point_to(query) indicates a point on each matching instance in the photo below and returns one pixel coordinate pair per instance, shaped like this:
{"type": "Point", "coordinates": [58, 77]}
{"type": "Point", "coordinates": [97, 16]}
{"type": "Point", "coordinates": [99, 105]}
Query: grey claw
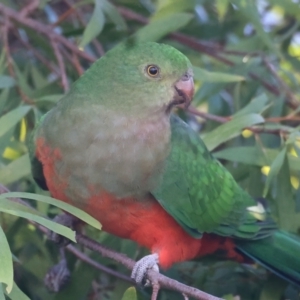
{"type": "Point", "coordinates": [58, 276]}
{"type": "Point", "coordinates": [143, 265]}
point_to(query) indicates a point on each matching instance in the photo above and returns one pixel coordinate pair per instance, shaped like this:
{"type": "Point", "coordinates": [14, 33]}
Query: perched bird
{"type": "Point", "coordinates": [112, 147]}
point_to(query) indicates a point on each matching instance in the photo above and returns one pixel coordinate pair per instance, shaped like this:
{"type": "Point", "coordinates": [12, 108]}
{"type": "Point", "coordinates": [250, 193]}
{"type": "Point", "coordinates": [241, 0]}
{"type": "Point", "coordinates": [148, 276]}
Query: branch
{"type": "Point", "coordinates": [153, 276]}
{"type": "Point", "coordinates": [158, 280]}
{"type": "Point", "coordinates": [5, 29]}
{"type": "Point", "coordinates": [33, 5]}
{"type": "Point", "coordinates": [43, 29]}
{"type": "Point", "coordinates": [61, 64]}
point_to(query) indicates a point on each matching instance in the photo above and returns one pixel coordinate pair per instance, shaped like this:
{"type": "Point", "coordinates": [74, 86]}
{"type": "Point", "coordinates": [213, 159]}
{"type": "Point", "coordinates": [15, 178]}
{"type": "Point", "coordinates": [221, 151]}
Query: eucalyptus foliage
{"type": "Point", "coordinates": [246, 108]}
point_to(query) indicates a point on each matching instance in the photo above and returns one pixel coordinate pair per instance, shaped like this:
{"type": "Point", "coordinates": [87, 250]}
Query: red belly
{"type": "Point", "coordinates": [143, 221]}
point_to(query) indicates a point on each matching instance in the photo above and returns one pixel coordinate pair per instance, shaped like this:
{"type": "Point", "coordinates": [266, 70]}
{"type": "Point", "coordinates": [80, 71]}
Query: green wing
{"type": "Point", "coordinates": [201, 194]}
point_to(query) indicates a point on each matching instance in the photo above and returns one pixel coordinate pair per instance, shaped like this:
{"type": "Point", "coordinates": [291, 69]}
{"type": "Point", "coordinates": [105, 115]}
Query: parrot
{"type": "Point", "coordinates": [113, 147]}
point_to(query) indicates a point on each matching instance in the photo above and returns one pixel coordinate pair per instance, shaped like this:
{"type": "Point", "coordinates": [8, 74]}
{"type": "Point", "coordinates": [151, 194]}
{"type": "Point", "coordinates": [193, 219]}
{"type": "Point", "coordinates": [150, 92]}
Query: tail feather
{"type": "Point", "coordinates": [279, 253]}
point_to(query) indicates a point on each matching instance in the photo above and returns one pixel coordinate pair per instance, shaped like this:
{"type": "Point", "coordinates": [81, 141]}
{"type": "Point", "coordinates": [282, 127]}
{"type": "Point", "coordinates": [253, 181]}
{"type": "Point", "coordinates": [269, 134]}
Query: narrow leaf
{"type": "Point", "coordinates": [255, 156]}
{"type": "Point", "coordinates": [286, 206]}
{"type": "Point", "coordinates": [6, 269]}
{"type": "Point", "coordinates": [95, 25]}
{"type": "Point", "coordinates": [17, 294]}
{"type": "Point", "coordinates": [256, 105]}
{"type": "Point", "coordinates": [163, 26]}
{"type": "Point", "coordinates": [206, 76]}
{"type": "Point", "coordinates": [2, 297]}
{"type": "Point", "coordinates": [15, 170]}
{"type": "Point", "coordinates": [26, 212]}
{"type": "Point", "coordinates": [6, 82]}
{"type": "Point", "coordinates": [230, 130]}
{"type": "Point", "coordinates": [250, 11]}
{"type": "Point", "coordinates": [112, 12]}
{"type": "Point", "coordinates": [12, 118]}
{"type": "Point", "coordinates": [62, 205]}
{"type": "Point", "coordinates": [274, 169]}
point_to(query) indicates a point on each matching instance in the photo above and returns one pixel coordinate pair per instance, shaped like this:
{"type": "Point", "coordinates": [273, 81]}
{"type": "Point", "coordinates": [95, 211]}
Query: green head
{"type": "Point", "coordinates": [137, 77]}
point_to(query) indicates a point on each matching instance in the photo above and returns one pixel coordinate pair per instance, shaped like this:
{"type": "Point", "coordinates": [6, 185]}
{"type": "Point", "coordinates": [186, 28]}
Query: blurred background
{"type": "Point", "coordinates": [246, 107]}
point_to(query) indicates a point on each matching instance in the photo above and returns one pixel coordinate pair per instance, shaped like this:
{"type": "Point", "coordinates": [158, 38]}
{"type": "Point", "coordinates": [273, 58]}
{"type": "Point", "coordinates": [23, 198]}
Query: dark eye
{"type": "Point", "coordinates": [152, 70]}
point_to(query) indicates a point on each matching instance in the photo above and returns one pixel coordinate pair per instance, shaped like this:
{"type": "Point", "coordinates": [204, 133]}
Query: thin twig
{"type": "Point", "coordinates": [73, 59]}
{"type": "Point", "coordinates": [37, 54]}
{"type": "Point", "coordinates": [207, 116]}
{"type": "Point", "coordinates": [5, 29]}
{"type": "Point", "coordinates": [61, 64]}
{"type": "Point", "coordinates": [282, 84]}
{"type": "Point", "coordinates": [45, 30]}
{"type": "Point", "coordinates": [29, 8]}
{"type": "Point", "coordinates": [153, 276]}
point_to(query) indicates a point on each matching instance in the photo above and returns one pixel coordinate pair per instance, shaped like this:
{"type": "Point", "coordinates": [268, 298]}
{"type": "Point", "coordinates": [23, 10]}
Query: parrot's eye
{"type": "Point", "coordinates": [152, 70]}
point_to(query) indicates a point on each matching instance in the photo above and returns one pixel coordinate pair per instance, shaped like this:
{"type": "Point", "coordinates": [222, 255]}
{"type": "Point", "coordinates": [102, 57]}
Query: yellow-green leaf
{"type": "Point", "coordinates": [130, 294]}
{"type": "Point", "coordinates": [6, 269]}
{"type": "Point", "coordinates": [62, 205]}
{"type": "Point", "coordinates": [19, 210]}
{"type": "Point", "coordinates": [230, 130]}
{"type": "Point", "coordinates": [206, 76]}
{"type": "Point", "coordinates": [12, 118]}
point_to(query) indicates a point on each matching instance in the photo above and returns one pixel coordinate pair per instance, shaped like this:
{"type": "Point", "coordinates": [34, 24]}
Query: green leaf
{"type": "Point", "coordinates": [289, 7]}
{"type": "Point", "coordinates": [29, 213]}
{"type": "Point", "coordinates": [112, 12]}
{"type": "Point", "coordinates": [95, 25]}
{"type": "Point", "coordinates": [62, 205]}
{"type": "Point", "coordinates": [12, 118]}
{"type": "Point", "coordinates": [6, 269]}
{"type": "Point", "coordinates": [274, 169]}
{"type": "Point", "coordinates": [256, 105]}
{"type": "Point", "coordinates": [130, 294]}
{"type": "Point", "coordinates": [249, 10]}
{"type": "Point", "coordinates": [17, 294]}
{"type": "Point", "coordinates": [230, 130]}
{"type": "Point", "coordinates": [2, 297]}
{"type": "Point", "coordinates": [255, 156]}
{"type": "Point", "coordinates": [206, 76]}
{"type": "Point", "coordinates": [15, 170]}
{"type": "Point", "coordinates": [163, 26]}
{"type": "Point", "coordinates": [6, 82]}
{"type": "Point", "coordinates": [49, 98]}
{"type": "Point", "coordinates": [170, 7]}
{"type": "Point", "coordinates": [288, 219]}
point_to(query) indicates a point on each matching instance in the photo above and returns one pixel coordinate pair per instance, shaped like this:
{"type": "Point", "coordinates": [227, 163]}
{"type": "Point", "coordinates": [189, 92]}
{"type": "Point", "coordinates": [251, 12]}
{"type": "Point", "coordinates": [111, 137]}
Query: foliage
{"type": "Point", "coordinates": [246, 108]}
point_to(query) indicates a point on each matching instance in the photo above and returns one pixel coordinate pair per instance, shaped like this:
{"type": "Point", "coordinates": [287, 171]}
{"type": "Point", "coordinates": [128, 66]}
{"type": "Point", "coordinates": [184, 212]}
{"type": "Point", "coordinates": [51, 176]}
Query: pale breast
{"type": "Point", "coordinates": [123, 156]}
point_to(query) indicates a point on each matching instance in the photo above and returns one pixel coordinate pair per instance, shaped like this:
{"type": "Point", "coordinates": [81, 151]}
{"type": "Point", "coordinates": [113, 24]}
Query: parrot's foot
{"type": "Point", "coordinates": [143, 265]}
{"type": "Point", "coordinates": [66, 220]}
{"type": "Point", "coordinates": [58, 276]}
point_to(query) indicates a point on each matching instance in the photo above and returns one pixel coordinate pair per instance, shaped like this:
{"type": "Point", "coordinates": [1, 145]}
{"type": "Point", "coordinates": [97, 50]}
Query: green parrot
{"type": "Point", "coordinates": [112, 147]}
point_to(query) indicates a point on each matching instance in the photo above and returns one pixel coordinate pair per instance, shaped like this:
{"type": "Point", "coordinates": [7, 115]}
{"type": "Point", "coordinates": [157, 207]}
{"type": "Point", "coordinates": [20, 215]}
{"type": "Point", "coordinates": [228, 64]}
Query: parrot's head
{"type": "Point", "coordinates": [140, 77]}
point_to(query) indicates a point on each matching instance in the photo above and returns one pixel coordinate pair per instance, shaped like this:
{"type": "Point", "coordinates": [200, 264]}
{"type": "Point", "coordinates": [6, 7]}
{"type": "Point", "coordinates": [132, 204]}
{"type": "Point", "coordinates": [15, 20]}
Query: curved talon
{"type": "Point", "coordinates": [143, 265]}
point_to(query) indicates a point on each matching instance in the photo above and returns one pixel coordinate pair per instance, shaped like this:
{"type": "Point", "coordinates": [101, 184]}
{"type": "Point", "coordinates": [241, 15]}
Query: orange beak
{"type": "Point", "coordinates": [185, 91]}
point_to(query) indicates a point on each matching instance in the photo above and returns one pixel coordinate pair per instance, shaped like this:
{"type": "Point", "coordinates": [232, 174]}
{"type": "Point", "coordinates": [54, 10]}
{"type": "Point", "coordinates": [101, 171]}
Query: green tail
{"type": "Point", "coordinates": [280, 254]}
